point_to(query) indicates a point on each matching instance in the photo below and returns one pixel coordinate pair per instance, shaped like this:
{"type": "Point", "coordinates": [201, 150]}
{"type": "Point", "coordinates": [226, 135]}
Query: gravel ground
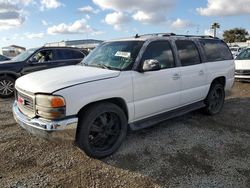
{"type": "Point", "coordinates": [189, 151]}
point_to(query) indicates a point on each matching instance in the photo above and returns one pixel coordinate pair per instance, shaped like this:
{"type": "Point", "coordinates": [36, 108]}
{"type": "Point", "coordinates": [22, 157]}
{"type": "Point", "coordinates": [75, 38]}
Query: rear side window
{"type": "Point", "coordinates": [63, 54]}
{"type": "Point", "coordinates": [216, 50]}
{"type": "Point", "coordinates": [160, 51]}
{"type": "Point", "coordinates": [188, 52]}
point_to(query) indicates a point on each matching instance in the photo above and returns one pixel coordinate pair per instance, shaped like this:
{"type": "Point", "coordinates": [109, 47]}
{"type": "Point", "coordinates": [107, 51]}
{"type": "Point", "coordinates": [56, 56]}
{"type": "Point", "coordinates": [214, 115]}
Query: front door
{"type": "Point", "coordinates": [156, 92]}
{"type": "Point", "coordinates": [43, 59]}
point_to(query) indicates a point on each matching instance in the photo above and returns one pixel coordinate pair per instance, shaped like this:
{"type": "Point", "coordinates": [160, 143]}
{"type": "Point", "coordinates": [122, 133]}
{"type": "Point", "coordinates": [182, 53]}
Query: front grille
{"type": "Point", "coordinates": [26, 104]}
{"type": "Point", "coordinates": [242, 72]}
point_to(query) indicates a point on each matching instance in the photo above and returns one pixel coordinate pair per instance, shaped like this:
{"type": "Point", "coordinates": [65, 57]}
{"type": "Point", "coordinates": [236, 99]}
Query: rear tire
{"type": "Point", "coordinates": [215, 99]}
{"type": "Point", "coordinates": [7, 88]}
{"type": "Point", "coordinates": [101, 129]}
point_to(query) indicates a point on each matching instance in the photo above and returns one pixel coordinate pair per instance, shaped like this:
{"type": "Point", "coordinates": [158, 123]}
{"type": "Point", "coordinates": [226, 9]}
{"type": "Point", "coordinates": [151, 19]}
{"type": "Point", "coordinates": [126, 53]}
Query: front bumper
{"type": "Point", "coordinates": [52, 130]}
{"type": "Point", "coordinates": [243, 77]}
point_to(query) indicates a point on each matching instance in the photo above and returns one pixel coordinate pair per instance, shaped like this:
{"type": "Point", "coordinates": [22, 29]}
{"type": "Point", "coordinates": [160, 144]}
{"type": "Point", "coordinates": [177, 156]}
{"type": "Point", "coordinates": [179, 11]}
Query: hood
{"type": "Point", "coordinates": [242, 64]}
{"type": "Point", "coordinates": [50, 80]}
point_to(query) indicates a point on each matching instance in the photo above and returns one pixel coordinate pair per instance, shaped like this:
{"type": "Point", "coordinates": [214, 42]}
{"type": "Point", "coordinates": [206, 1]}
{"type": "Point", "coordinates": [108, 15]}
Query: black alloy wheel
{"type": "Point", "coordinates": [101, 129]}
{"type": "Point", "coordinates": [215, 99]}
{"type": "Point", "coordinates": [104, 131]}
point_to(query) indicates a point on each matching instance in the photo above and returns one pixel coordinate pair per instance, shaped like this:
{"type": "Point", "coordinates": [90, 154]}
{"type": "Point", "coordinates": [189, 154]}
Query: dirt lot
{"type": "Point", "coordinates": [190, 151]}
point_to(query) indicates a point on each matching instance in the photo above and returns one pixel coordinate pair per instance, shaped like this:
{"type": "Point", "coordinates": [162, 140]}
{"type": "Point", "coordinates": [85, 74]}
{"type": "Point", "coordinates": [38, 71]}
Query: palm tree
{"type": "Point", "coordinates": [215, 26]}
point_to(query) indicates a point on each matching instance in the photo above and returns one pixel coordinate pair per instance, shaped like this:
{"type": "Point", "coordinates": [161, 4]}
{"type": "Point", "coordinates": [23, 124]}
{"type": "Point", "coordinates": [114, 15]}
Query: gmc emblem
{"type": "Point", "coordinates": [20, 100]}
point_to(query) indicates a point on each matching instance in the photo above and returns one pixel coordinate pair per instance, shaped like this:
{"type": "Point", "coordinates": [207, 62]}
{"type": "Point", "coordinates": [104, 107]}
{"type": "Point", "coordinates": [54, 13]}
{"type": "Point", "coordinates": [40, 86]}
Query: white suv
{"type": "Point", "coordinates": [128, 83]}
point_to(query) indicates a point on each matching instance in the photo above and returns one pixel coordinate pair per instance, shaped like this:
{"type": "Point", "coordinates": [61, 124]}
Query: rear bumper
{"type": "Point", "coordinates": [52, 130]}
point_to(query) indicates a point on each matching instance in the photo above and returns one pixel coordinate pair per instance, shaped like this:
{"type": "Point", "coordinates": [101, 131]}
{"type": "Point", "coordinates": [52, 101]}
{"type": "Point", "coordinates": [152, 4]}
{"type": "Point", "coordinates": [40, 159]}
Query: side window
{"type": "Point", "coordinates": [245, 55]}
{"type": "Point", "coordinates": [188, 52]}
{"type": "Point", "coordinates": [43, 56]}
{"type": "Point", "coordinates": [76, 54]}
{"type": "Point", "coordinates": [160, 51]}
{"type": "Point", "coordinates": [216, 50]}
{"type": "Point", "coordinates": [2, 58]}
{"type": "Point", "coordinates": [63, 54]}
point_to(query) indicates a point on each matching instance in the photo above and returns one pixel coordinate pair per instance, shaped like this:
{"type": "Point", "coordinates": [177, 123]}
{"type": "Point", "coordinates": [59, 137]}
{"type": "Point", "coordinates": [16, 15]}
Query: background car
{"type": "Point", "coordinates": [4, 58]}
{"type": "Point", "coordinates": [236, 51]}
{"type": "Point", "coordinates": [36, 59]}
{"type": "Point", "coordinates": [242, 65]}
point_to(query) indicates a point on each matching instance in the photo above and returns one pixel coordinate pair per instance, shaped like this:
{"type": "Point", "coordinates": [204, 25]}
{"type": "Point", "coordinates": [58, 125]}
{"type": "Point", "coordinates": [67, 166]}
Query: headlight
{"type": "Point", "coordinates": [50, 107]}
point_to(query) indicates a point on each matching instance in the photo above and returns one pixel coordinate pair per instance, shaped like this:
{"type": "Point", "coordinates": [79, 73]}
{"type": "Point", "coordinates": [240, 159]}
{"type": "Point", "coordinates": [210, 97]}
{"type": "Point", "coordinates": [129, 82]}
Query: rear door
{"type": "Point", "coordinates": [193, 73]}
{"type": "Point", "coordinates": [64, 57]}
{"type": "Point", "coordinates": [157, 91]}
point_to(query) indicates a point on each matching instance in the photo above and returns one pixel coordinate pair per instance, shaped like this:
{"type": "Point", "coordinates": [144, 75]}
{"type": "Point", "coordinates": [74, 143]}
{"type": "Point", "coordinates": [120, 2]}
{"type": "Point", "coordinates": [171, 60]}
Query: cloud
{"type": "Point", "coordinates": [50, 4]}
{"type": "Point", "coordinates": [45, 23]}
{"type": "Point", "coordinates": [144, 11]}
{"type": "Point", "coordinates": [116, 19]}
{"type": "Point", "coordinates": [209, 32]}
{"type": "Point", "coordinates": [34, 35]}
{"type": "Point", "coordinates": [225, 8]}
{"type": "Point", "coordinates": [78, 27]}
{"type": "Point", "coordinates": [26, 2]}
{"type": "Point", "coordinates": [88, 10]}
{"type": "Point", "coordinates": [181, 24]}
{"type": "Point", "coordinates": [11, 15]}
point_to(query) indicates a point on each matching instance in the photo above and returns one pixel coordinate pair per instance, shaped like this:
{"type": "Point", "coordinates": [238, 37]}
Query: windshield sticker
{"type": "Point", "coordinates": [123, 54]}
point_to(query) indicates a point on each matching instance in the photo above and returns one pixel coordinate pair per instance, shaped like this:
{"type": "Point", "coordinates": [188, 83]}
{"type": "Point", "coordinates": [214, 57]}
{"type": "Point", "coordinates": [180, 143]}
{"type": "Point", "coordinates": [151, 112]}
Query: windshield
{"type": "Point", "coordinates": [24, 55]}
{"type": "Point", "coordinates": [114, 55]}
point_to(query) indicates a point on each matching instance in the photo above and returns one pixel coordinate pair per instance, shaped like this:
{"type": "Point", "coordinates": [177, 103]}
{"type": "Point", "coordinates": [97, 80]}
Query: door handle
{"type": "Point", "coordinates": [176, 76]}
{"type": "Point", "coordinates": [201, 73]}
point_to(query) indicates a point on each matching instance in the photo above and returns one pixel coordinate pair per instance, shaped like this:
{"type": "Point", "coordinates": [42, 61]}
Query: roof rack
{"type": "Point", "coordinates": [174, 35]}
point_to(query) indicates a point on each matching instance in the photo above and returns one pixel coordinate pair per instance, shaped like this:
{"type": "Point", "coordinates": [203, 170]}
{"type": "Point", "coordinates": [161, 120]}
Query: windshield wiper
{"type": "Point", "coordinates": [108, 67]}
{"type": "Point", "coordinates": [101, 66]}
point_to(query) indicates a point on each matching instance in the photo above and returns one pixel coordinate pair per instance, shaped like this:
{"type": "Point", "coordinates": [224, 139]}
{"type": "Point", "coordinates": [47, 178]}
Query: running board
{"type": "Point", "coordinates": [148, 122]}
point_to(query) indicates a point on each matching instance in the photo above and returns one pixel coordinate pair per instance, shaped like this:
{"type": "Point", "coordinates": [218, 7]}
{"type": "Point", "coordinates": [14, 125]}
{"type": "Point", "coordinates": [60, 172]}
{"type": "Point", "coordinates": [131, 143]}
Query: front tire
{"type": "Point", "coordinates": [6, 86]}
{"type": "Point", "coordinates": [215, 99]}
{"type": "Point", "coordinates": [101, 129]}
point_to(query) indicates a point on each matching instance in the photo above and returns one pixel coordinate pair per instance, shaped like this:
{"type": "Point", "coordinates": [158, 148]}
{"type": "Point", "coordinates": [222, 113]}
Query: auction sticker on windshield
{"type": "Point", "coordinates": [123, 54]}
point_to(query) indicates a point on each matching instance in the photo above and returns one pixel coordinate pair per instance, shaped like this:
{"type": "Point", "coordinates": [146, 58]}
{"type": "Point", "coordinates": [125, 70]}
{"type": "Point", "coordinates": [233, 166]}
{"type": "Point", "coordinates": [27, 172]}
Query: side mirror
{"type": "Point", "coordinates": [32, 60]}
{"type": "Point", "coordinates": [151, 65]}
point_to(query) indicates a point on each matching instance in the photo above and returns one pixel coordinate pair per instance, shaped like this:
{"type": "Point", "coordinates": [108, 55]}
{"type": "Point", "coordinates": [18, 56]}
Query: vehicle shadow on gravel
{"type": "Point", "coordinates": [194, 149]}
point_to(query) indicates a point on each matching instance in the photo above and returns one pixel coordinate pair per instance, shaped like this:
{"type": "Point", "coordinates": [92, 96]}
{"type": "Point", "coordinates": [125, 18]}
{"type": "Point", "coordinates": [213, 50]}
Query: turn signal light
{"type": "Point", "coordinates": [57, 102]}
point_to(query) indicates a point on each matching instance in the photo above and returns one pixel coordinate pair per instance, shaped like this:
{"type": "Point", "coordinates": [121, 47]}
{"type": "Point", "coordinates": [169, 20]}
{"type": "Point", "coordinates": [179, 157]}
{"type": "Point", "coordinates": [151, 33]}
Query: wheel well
{"type": "Point", "coordinates": [117, 101]}
{"type": "Point", "coordinates": [221, 80]}
{"type": "Point", "coordinates": [10, 75]}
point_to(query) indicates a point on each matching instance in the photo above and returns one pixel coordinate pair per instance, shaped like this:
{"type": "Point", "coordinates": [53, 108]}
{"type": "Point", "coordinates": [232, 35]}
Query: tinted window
{"type": "Point", "coordinates": [160, 51]}
{"type": "Point", "coordinates": [216, 50]}
{"type": "Point", "coordinates": [245, 55]}
{"type": "Point", "coordinates": [188, 52]}
{"type": "Point", "coordinates": [2, 58]}
{"type": "Point", "coordinates": [43, 56]}
{"type": "Point", "coordinates": [63, 54]}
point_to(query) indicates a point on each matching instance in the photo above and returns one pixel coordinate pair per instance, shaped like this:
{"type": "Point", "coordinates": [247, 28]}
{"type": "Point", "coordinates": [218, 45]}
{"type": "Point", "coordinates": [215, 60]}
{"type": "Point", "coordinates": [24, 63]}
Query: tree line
{"type": "Point", "coordinates": [236, 35]}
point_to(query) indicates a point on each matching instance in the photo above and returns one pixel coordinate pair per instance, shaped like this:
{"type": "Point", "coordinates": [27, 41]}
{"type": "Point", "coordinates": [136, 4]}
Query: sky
{"type": "Point", "coordinates": [32, 23]}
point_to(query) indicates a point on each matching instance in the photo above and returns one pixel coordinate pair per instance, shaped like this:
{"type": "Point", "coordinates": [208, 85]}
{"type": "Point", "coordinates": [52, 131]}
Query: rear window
{"type": "Point", "coordinates": [64, 54]}
{"type": "Point", "coordinates": [216, 50]}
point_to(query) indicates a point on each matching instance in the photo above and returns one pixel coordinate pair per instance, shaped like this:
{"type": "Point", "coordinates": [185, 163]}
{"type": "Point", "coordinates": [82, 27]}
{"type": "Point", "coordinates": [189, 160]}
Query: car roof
{"type": "Point", "coordinates": [152, 36]}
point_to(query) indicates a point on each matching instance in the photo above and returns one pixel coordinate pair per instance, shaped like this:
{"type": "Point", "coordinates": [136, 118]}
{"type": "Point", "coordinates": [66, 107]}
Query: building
{"type": "Point", "coordinates": [240, 44]}
{"type": "Point", "coordinates": [13, 50]}
{"type": "Point", "coordinates": [86, 44]}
